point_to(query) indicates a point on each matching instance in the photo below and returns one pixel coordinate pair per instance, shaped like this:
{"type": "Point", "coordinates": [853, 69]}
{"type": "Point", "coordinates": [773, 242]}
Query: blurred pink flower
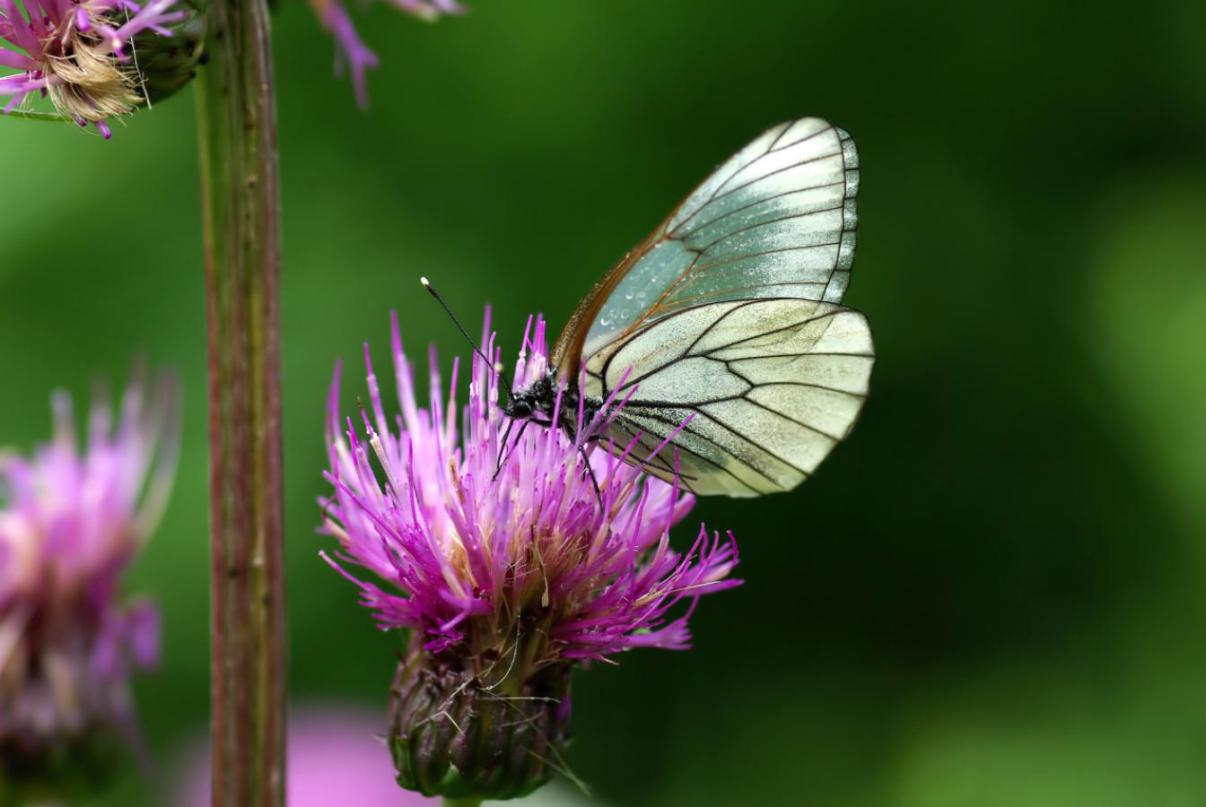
{"type": "Point", "coordinates": [352, 54]}
{"type": "Point", "coordinates": [71, 521]}
{"type": "Point", "coordinates": [335, 757]}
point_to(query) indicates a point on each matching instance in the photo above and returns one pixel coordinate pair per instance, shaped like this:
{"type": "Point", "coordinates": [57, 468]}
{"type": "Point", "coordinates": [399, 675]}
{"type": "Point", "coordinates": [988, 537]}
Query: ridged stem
{"type": "Point", "coordinates": [28, 114]}
{"type": "Point", "coordinates": [236, 121]}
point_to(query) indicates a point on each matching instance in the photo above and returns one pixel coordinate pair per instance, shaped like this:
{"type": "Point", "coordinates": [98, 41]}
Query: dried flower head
{"type": "Point", "coordinates": [351, 52]}
{"type": "Point", "coordinates": [85, 56]}
{"type": "Point", "coordinates": [507, 574]}
{"type": "Point", "coordinates": [71, 520]}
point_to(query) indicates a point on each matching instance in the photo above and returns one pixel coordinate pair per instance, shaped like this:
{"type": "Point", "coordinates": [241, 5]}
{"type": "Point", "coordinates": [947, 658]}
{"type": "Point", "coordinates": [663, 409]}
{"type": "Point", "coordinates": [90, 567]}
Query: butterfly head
{"type": "Point", "coordinates": [549, 403]}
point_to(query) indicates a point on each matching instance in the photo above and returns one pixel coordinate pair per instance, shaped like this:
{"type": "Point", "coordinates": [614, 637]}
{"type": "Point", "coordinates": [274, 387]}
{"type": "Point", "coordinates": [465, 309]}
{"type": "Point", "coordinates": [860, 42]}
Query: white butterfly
{"type": "Point", "coordinates": [723, 331]}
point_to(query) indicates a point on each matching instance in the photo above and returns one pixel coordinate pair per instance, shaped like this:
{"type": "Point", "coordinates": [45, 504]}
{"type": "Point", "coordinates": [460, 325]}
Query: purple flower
{"type": "Point", "coordinates": [80, 54]}
{"type": "Point", "coordinates": [506, 572]}
{"type": "Point", "coordinates": [351, 52]}
{"type": "Point", "coordinates": [71, 520]}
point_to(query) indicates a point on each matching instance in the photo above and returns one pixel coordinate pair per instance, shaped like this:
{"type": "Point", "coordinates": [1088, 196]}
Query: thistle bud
{"type": "Point", "coordinates": [457, 733]}
{"type": "Point", "coordinates": [168, 61]}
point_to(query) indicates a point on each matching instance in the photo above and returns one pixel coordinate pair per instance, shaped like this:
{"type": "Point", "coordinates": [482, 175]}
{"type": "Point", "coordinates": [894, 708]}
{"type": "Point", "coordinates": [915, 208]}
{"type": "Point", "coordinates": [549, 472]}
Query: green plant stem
{"type": "Point", "coordinates": [236, 122]}
{"type": "Point", "coordinates": [26, 114]}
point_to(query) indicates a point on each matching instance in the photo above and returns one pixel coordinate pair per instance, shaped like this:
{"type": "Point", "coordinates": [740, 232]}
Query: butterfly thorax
{"type": "Point", "coordinates": [538, 402]}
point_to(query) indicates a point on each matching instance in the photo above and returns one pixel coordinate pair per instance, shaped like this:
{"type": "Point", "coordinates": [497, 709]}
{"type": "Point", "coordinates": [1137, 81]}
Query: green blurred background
{"type": "Point", "coordinates": [992, 594]}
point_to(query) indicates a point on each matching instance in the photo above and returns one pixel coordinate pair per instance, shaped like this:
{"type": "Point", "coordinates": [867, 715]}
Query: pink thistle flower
{"type": "Point", "coordinates": [80, 54]}
{"type": "Point", "coordinates": [351, 52]}
{"type": "Point", "coordinates": [505, 576]}
{"type": "Point", "coordinates": [71, 521]}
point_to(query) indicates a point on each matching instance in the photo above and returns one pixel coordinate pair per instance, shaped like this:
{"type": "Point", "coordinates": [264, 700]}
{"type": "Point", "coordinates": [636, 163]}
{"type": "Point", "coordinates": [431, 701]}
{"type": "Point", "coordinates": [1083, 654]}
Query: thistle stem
{"type": "Point", "coordinates": [28, 114]}
{"type": "Point", "coordinates": [236, 122]}
{"type": "Point", "coordinates": [468, 801]}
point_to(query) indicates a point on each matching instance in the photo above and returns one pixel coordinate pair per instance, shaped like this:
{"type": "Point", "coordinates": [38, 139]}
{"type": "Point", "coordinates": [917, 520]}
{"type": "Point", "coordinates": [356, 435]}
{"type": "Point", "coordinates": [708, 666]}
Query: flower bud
{"type": "Point", "coordinates": [166, 63]}
{"type": "Point", "coordinates": [457, 734]}
{"type": "Point", "coordinates": [70, 769]}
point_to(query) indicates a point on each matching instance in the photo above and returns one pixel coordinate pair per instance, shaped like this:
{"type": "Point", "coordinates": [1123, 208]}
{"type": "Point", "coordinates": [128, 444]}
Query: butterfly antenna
{"type": "Point", "coordinates": [495, 366]}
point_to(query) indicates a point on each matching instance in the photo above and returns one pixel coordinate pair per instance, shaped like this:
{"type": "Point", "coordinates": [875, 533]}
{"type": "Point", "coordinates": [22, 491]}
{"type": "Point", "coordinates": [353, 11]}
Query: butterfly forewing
{"type": "Point", "coordinates": [752, 394]}
{"type": "Point", "coordinates": [776, 220]}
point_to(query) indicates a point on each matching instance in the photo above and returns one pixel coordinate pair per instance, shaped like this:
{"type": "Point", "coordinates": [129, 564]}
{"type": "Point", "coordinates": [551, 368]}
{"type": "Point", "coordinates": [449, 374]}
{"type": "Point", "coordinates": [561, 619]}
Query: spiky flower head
{"type": "Point", "coordinates": [97, 59]}
{"type": "Point", "coordinates": [506, 576]}
{"type": "Point", "coordinates": [351, 52]}
{"type": "Point", "coordinates": [72, 518]}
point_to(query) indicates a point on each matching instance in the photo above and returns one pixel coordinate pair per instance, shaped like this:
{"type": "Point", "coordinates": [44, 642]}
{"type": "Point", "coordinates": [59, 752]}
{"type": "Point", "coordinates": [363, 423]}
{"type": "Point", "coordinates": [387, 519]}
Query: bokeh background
{"type": "Point", "coordinates": [993, 594]}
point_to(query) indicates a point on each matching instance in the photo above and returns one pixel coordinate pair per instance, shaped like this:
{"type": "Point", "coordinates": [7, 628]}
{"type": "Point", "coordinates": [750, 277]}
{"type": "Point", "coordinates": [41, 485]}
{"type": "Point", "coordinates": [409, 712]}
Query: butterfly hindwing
{"type": "Point", "coordinates": [751, 394]}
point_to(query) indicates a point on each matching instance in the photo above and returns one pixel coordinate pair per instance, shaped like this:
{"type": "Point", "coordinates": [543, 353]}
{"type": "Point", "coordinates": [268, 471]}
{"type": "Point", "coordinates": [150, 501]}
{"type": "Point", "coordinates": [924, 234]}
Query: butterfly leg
{"type": "Point", "coordinates": [571, 429]}
{"type": "Point", "coordinates": [502, 449]}
{"type": "Point", "coordinates": [591, 473]}
{"type": "Point", "coordinates": [503, 453]}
